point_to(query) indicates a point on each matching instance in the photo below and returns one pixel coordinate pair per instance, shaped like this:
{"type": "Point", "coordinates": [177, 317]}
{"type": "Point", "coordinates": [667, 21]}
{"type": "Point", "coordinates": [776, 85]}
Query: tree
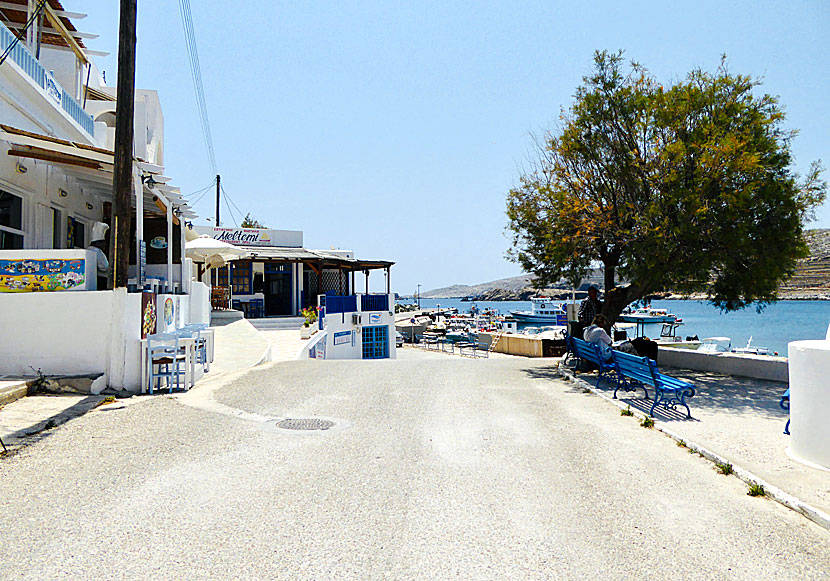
{"type": "Point", "coordinates": [250, 222]}
{"type": "Point", "coordinates": [686, 188]}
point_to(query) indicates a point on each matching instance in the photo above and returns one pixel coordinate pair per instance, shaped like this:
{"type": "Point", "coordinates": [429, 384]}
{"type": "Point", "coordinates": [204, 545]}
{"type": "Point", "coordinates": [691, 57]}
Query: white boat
{"type": "Point", "coordinates": [715, 345]}
{"type": "Point", "coordinates": [543, 310]}
{"type": "Point", "coordinates": [648, 315]}
{"type": "Point", "coordinates": [750, 350]}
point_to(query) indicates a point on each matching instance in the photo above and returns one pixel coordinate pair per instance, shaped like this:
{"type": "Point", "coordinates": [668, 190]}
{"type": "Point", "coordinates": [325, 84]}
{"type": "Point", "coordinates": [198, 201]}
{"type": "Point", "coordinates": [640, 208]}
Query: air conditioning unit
{"type": "Point", "coordinates": [356, 320]}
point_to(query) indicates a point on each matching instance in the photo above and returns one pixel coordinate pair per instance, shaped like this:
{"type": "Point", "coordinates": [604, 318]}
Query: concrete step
{"type": "Point", "coordinates": [277, 323]}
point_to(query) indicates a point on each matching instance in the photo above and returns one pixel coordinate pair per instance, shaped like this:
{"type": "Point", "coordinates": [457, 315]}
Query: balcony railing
{"type": "Point", "coordinates": [32, 67]}
{"type": "Point", "coordinates": [349, 303]}
{"type": "Point", "coordinates": [374, 303]}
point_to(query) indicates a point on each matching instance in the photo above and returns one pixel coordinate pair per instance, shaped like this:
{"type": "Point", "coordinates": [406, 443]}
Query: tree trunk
{"type": "Point", "coordinates": [619, 297]}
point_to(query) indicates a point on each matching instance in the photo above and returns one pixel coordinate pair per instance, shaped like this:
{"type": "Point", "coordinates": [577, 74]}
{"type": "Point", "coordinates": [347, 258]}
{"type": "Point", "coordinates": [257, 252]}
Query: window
{"type": "Point", "coordinates": [11, 221]}
{"type": "Point", "coordinates": [75, 233]}
{"type": "Point", "coordinates": [241, 274]}
{"type": "Point", "coordinates": [56, 228]}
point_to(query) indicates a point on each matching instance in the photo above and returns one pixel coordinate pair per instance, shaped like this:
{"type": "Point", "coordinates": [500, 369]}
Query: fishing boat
{"type": "Point", "coordinates": [715, 345]}
{"type": "Point", "coordinates": [750, 350]}
{"type": "Point", "coordinates": [542, 310]}
{"type": "Point", "coordinates": [648, 315]}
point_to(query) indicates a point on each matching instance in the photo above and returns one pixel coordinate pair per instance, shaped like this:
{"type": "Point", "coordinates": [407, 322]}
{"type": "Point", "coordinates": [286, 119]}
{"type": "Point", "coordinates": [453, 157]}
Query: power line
{"type": "Point", "coordinates": [202, 191]}
{"type": "Point", "coordinates": [230, 212]}
{"type": "Point", "coordinates": [19, 37]}
{"type": "Point", "coordinates": [196, 73]}
{"type": "Point", "coordinates": [228, 199]}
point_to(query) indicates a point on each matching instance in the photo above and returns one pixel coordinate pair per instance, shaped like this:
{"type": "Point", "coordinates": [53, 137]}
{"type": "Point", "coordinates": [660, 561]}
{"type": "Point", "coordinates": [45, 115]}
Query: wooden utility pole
{"type": "Point", "coordinates": [218, 186]}
{"type": "Point", "coordinates": [122, 181]}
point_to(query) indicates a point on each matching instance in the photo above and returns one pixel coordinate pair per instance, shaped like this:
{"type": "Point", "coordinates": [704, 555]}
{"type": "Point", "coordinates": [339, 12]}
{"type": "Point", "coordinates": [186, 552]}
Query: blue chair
{"type": "Point", "coordinates": [257, 308]}
{"type": "Point", "coordinates": [163, 351]}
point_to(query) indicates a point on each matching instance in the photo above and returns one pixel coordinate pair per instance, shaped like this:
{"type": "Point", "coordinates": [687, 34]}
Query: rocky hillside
{"type": "Point", "coordinates": [810, 282]}
{"type": "Point", "coordinates": [812, 276]}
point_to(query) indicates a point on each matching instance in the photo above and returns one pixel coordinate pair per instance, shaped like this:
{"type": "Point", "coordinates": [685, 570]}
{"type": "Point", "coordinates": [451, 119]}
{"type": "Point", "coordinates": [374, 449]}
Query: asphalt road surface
{"type": "Point", "coordinates": [434, 468]}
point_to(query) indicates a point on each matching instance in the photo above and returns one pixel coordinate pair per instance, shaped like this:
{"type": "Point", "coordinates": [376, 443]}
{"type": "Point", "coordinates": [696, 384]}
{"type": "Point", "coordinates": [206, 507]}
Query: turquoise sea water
{"type": "Point", "coordinates": [773, 328]}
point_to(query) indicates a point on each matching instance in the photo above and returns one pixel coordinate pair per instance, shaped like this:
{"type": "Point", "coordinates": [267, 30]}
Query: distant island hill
{"type": "Point", "coordinates": [810, 282]}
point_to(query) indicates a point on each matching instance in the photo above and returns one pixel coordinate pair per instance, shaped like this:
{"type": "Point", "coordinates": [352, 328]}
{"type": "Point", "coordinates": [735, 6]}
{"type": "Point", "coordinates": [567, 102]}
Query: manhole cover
{"type": "Point", "coordinates": [305, 424]}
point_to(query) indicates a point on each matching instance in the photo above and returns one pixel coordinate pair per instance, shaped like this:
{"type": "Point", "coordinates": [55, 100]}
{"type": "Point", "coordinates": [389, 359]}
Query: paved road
{"type": "Point", "coordinates": [436, 468]}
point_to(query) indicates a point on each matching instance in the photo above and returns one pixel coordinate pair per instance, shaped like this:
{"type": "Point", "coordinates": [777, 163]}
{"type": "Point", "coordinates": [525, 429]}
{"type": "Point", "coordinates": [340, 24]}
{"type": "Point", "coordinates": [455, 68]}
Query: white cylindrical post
{"type": "Point", "coordinates": [809, 364]}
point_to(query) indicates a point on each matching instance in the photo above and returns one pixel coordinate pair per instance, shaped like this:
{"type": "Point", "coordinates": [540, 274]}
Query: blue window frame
{"type": "Point", "coordinates": [375, 342]}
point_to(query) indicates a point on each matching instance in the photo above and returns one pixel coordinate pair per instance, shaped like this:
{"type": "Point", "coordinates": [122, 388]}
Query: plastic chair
{"type": "Point", "coordinates": [195, 331]}
{"type": "Point", "coordinates": [163, 350]}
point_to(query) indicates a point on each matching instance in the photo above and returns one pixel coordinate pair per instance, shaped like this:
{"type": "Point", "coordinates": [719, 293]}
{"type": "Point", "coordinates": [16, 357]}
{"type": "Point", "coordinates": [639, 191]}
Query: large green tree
{"type": "Point", "coordinates": [688, 187]}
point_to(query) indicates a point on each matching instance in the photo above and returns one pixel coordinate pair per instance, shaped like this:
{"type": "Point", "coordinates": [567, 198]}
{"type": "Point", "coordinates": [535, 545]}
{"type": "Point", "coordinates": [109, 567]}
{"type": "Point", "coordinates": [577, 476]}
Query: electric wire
{"type": "Point", "coordinates": [19, 37]}
{"type": "Point", "coordinates": [228, 199]}
{"type": "Point", "coordinates": [230, 212]}
{"type": "Point", "coordinates": [198, 87]}
{"type": "Point", "coordinates": [203, 191]}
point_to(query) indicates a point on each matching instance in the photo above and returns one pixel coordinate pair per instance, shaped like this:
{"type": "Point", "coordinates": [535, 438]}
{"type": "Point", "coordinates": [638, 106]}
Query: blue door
{"type": "Point", "coordinates": [375, 342]}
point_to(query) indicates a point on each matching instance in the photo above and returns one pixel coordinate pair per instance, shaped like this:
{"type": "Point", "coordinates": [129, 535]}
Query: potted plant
{"type": "Point", "coordinates": [310, 315]}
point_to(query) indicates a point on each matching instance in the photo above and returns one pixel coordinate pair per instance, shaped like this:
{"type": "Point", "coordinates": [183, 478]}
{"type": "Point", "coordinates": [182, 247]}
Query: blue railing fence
{"type": "Point", "coordinates": [335, 304]}
{"type": "Point", "coordinates": [349, 303]}
{"type": "Point", "coordinates": [374, 303]}
{"type": "Point", "coordinates": [32, 67]}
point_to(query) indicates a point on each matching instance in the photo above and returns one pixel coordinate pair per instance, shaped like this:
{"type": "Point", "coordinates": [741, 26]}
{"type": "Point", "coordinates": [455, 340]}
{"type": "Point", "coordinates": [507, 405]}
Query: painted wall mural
{"type": "Point", "coordinates": [30, 275]}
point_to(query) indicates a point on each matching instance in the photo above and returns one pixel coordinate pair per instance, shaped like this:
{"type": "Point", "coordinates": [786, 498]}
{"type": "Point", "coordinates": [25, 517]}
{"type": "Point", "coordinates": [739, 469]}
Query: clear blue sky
{"type": "Point", "coordinates": [396, 128]}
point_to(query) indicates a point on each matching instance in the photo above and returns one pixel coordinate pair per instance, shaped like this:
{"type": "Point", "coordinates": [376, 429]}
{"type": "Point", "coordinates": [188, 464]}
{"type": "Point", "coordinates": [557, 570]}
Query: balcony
{"type": "Point", "coordinates": [32, 67]}
{"type": "Point", "coordinates": [350, 303]}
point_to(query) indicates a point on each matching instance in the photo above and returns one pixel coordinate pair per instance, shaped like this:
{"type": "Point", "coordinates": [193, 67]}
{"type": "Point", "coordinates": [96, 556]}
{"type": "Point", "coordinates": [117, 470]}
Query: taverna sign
{"type": "Point", "coordinates": [253, 236]}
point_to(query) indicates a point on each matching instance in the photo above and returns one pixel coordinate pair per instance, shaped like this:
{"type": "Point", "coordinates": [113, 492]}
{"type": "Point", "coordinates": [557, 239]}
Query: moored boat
{"type": "Point", "coordinates": [648, 315]}
{"type": "Point", "coordinates": [543, 310]}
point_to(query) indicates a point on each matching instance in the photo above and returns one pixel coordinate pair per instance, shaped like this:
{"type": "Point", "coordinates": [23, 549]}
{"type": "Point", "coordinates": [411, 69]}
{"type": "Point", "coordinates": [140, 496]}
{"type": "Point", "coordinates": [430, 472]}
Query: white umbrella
{"type": "Point", "coordinates": [207, 249]}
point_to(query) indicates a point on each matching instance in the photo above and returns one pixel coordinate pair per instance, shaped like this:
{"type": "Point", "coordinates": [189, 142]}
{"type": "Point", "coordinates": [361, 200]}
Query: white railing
{"type": "Point", "coordinates": [32, 67]}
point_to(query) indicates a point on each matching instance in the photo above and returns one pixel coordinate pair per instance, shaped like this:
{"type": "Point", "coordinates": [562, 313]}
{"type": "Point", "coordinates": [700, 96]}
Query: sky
{"type": "Point", "coordinates": [396, 129]}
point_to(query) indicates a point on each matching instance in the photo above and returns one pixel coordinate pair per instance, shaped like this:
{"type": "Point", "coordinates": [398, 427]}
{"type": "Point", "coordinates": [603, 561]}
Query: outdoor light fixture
{"type": "Point", "coordinates": [149, 181]}
{"type": "Point", "coordinates": [63, 193]}
{"type": "Point", "coordinates": [21, 168]}
{"type": "Point", "coordinates": [88, 206]}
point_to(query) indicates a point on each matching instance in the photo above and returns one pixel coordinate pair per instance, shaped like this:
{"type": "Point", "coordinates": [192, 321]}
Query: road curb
{"type": "Point", "coordinates": [780, 496]}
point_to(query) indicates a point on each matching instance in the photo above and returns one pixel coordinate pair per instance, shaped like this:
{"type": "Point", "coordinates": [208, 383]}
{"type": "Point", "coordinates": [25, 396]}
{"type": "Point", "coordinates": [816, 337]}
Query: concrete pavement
{"type": "Point", "coordinates": [738, 419]}
{"type": "Point", "coordinates": [436, 468]}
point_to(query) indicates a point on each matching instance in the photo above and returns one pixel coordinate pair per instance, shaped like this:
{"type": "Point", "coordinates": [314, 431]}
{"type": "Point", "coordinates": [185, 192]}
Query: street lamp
{"type": "Point", "coordinates": [419, 297]}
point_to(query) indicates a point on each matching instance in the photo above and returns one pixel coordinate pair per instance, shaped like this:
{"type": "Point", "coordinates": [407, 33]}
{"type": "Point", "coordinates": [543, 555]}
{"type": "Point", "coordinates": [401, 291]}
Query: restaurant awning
{"type": "Point", "coordinates": [322, 259]}
{"type": "Point", "coordinates": [92, 167]}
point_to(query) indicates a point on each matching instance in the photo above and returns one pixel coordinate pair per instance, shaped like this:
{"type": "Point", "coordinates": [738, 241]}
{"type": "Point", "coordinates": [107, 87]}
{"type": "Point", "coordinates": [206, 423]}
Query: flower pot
{"type": "Point", "coordinates": [305, 332]}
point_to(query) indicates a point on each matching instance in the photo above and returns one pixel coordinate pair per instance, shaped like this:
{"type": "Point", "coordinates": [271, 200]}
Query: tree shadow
{"type": "Point", "coordinates": [714, 392]}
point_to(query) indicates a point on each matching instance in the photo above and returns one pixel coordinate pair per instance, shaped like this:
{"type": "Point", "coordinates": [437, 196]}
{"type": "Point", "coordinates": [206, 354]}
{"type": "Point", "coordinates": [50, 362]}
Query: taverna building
{"type": "Point", "coordinates": [276, 276]}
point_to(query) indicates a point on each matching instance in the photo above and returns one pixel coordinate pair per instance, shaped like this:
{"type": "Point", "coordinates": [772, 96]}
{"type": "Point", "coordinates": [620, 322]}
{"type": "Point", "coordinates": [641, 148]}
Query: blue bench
{"type": "Point", "coordinates": [591, 352]}
{"type": "Point", "coordinates": [785, 405]}
{"type": "Point", "coordinates": [637, 371]}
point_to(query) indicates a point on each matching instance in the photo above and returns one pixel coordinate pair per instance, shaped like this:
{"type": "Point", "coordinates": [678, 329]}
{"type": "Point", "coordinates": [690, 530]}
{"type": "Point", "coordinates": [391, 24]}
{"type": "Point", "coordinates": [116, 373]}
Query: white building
{"type": "Point", "coordinates": [279, 277]}
{"type": "Point", "coordinates": [57, 133]}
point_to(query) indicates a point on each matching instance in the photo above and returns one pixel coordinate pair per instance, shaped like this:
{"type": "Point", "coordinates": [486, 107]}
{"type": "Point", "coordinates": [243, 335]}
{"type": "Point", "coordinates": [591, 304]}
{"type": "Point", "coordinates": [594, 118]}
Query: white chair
{"type": "Point", "coordinates": [163, 351]}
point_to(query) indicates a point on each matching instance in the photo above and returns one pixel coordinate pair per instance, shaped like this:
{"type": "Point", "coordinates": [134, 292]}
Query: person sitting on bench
{"type": "Point", "coordinates": [595, 333]}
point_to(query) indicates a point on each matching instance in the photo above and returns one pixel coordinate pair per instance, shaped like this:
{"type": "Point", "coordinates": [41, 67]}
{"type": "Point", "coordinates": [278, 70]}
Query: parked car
{"type": "Point", "coordinates": [398, 339]}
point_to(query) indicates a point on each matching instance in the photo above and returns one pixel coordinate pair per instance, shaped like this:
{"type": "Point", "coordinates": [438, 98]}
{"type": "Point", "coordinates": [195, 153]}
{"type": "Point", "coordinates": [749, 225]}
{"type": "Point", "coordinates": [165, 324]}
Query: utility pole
{"type": "Point", "coordinates": [218, 186]}
{"type": "Point", "coordinates": [122, 181]}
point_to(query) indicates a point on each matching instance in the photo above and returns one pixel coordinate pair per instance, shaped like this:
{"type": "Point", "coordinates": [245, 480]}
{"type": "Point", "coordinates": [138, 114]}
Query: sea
{"type": "Point", "coordinates": [774, 327]}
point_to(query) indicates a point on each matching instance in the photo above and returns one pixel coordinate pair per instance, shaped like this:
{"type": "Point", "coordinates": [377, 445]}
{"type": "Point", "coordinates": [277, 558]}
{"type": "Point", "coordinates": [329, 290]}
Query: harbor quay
{"type": "Point", "coordinates": [421, 467]}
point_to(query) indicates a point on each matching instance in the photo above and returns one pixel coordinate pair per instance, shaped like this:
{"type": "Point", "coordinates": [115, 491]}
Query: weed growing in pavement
{"type": "Point", "coordinates": [756, 490]}
{"type": "Point", "coordinates": [109, 399]}
{"type": "Point", "coordinates": [724, 468]}
{"type": "Point", "coordinates": [647, 422]}
{"type": "Point", "coordinates": [40, 382]}
{"type": "Point", "coordinates": [681, 443]}
{"type": "Point", "coordinates": [626, 412]}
